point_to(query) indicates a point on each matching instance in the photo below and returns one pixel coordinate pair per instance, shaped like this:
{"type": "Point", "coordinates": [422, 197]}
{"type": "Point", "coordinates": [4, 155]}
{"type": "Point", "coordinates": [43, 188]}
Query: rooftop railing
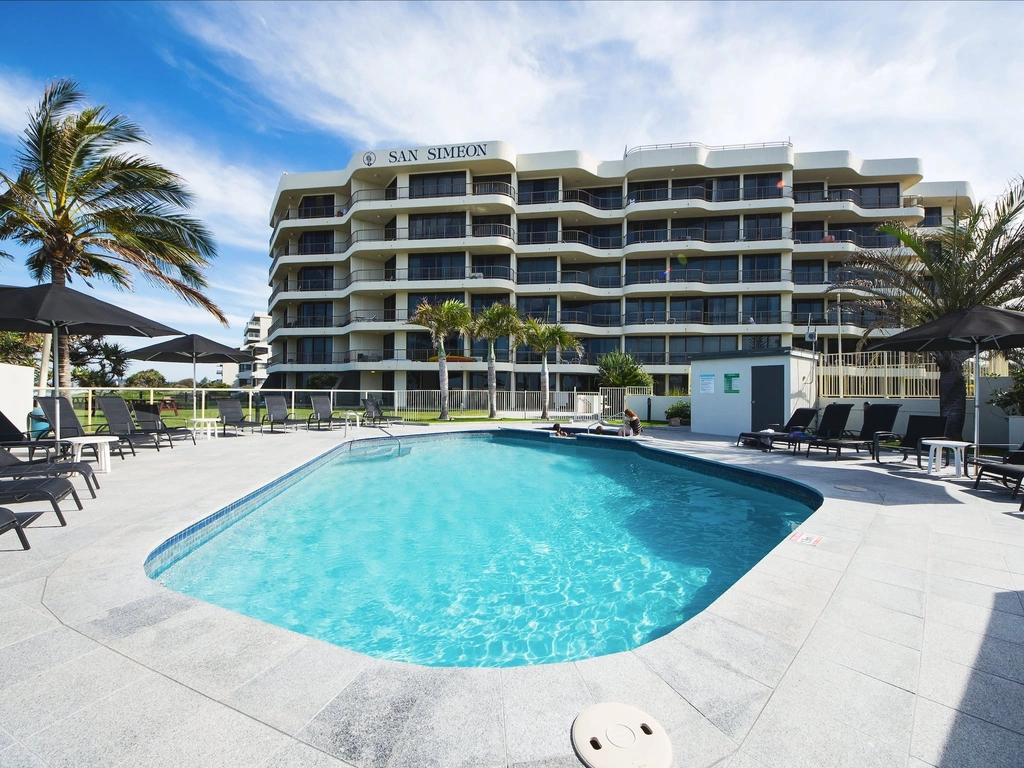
{"type": "Point", "coordinates": [710, 148]}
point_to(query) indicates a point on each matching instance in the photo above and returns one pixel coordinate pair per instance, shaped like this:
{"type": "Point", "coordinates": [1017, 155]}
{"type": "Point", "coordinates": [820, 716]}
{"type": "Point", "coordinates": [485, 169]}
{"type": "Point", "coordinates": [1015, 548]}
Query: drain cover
{"type": "Point", "coordinates": [613, 735]}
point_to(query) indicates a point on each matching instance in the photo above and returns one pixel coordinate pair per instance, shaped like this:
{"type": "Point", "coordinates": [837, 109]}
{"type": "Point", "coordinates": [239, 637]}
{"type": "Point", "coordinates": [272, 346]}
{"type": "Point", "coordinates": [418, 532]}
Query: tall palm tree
{"type": "Point", "coordinates": [492, 323]}
{"type": "Point", "coordinates": [543, 338]}
{"type": "Point", "coordinates": [442, 320]}
{"type": "Point", "coordinates": [977, 260]}
{"type": "Point", "coordinates": [87, 206]}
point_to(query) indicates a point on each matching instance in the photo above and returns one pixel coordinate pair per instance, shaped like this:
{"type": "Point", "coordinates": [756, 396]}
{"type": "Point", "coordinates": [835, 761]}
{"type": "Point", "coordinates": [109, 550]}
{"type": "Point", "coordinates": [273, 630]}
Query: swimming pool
{"type": "Point", "coordinates": [491, 549]}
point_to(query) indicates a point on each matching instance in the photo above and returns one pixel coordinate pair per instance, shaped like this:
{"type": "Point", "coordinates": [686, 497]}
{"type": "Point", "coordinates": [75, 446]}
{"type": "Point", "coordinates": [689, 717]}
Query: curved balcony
{"type": "Point", "coordinates": [654, 236]}
{"type": "Point", "coordinates": [676, 194]}
{"type": "Point", "coordinates": [648, 278]}
{"type": "Point", "coordinates": [837, 238]}
{"type": "Point", "coordinates": [375, 355]}
{"type": "Point", "coordinates": [416, 274]}
{"type": "Point", "coordinates": [340, 321]}
{"type": "Point", "coordinates": [852, 196]}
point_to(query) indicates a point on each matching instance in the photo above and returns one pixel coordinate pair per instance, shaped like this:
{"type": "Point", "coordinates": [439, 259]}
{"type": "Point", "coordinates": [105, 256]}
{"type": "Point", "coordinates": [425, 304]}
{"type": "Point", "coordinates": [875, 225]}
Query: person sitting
{"type": "Point", "coordinates": [559, 432]}
{"type": "Point", "coordinates": [630, 424]}
{"type": "Point", "coordinates": [599, 430]}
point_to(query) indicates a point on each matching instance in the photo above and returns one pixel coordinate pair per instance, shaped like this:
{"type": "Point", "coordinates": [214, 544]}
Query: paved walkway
{"type": "Point", "coordinates": [897, 641]}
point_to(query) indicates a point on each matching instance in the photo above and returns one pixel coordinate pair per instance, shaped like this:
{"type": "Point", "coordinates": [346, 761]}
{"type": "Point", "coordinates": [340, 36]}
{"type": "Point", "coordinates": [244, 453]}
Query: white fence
{"type": "Point", "coordinates": [892, 374]}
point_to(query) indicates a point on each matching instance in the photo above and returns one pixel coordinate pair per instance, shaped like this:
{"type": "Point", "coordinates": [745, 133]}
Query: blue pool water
{"type": "Point", "coordinates": [489, 551]}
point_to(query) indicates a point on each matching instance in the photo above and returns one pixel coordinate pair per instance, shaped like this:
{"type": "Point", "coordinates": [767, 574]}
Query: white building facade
{"type": "Point", "coordinates": [671, 251]}
{"type": "Point", "coordinates": [254, 374]}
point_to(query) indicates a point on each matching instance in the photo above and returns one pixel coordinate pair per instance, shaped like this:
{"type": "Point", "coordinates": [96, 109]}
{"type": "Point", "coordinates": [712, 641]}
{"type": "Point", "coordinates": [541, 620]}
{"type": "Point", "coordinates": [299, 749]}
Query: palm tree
{"type": "Point", "coordinates": [86, 206]}
{"type": "Point", "coordinates": [543, 338]}
{"type": "Point", "coordinates": [442, 320]}
{"type": "Point", "coordinates": [492, 323]}
{"type": "Point", "coordinates": [978, 260]}
{"type": "Point", "coordinates": [620, 369]}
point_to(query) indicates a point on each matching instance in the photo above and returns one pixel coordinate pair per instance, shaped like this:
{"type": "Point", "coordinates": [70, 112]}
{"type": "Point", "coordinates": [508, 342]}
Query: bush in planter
{"type": "Point", "coordinates": [679, 410]}
{"type": "Point", "coordinates": [1011, 400]}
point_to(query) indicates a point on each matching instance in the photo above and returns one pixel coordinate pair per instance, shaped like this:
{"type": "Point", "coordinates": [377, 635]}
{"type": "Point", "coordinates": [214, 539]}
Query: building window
{"type": "Point", "coordinates": [809, 192]}
{"type": "Point", "coordinates": [932, 217]}
{"type": "Point", "coordinates": [534, 191]}
{"type": "Point", "coordinates": [808, 311]}
{"type": "Point", "coordinates": [315, 314]}
{"type": "Point", "coordinates": [530, 382]}
{"type": "Point", "coordinates": [316, 207]}
{"type": "Point", "coordinates": [502, 380]}
{"type": "Point", "coordinates": [596, 275]}
{"type": "Point", "coordinates": [708, 310]}
{"type": "Point", "coordinates": [604, 236]}
{"type": "Point", "coordinates": [713, 271]}
{"type": "Point", "coordinates": [538, 231]}
{"type": "Point", "coordinates": [437, 225]}
{"type": "Point", "coordinates": [316, 242]}
{"type": "Point", "coordinates": [765, 226]}
{"type": "Point", "coordinates": [645, 311]}
{"type": "Point", "coordinates": [595, 349]}
{"type": "Point", "coordinates": [762, 342]}
{"type": "Point", "coordinates": [678, 384]}
{"type": "Point", "coordinates": [315, 351]}
{"type": "Point", "coordinates": [647, 191]}
{"type": "Point", "coordinates": [762, 268]}
{"type": "Point", "coordinates": [649, 350]}
{"type": "Point", "coordinates": [651, 231]}
{"type": "Point", "coordinates": [645, 271]}
{"type": "Point", "coordinates": [492, 226]}
{"type": "Point", "coordinates": [316, 278]}
{"type": "Point", "coordinates": [581, 382]}
{"type": "Point", "coordinates": [811, 272]}
{"type": "Point", "coordinates": [762, 309]}
{"type": "Point", "coordinates": [480, 301]}
{"type": "Point", "coordinates": [437, 184]}
{"type": "Point", "coordinates": [600, 313]}
{"type": "Point", "coordinates": [540, 307]}
{"type": "Point", "coordinates": [681, 348]}
{"type": "Point", "coordinates": [481, 349]}
{"type": "Point", "coordinates": [602, 198]}
{"type": "Point", "coordinates": [867, 195]}
{"type": "Point", "coordinates": [537, 271]}
{"type": "Point", "coordinates": [437, 266]}
{"type": "Point", "coordinates": [415, 299]}
{"type": "Point", "coordinates": [762, 186]}
{"type": "Point", "coordinates": [693, 189]}
{"type": "Point", "coordinates": [492, 266]}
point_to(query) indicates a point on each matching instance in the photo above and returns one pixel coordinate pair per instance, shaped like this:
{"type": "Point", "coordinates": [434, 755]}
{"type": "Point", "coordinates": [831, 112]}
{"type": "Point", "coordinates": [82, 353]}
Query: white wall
{"type": "Point", "coordinates": [16, 392]}
{"type": "Point", "coordinates": [721, 413]}
{"type": "Point", "coordinates": [658, 405]}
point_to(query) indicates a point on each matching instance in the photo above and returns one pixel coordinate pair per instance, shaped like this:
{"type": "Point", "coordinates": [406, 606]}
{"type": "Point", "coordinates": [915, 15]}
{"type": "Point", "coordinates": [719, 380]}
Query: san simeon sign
{"type": "Point", "coordinates": [427, 154]}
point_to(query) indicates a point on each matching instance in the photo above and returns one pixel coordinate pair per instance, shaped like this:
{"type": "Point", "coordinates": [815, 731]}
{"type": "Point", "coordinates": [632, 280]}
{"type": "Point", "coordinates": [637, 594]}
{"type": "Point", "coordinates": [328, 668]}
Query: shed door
{"type": "Point", "coordinates": [767, 396]}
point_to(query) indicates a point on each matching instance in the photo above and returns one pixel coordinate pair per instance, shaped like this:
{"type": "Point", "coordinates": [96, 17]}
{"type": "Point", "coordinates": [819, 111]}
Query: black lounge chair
{"type": "Point", "coordinates": [13, 467]}
{"type": "Point", "coordinates": [70, 426]}
{"type": "Point", "coordinates": [278, 413]}
{"type": "Point", "coordinates": [121, 425]}
{"type": "Point", "coordinates": [918, 428]}
{"type": "Point", "coordinates": [878, 418]}
{"type": "Point", "coordinates": [831, 426]}
{"type": "Point", "coordinates": [13, 437]}
{"type": "Point", "coordinates": [231, 415]}
{"type": "Point", "coordinates": [375, 415]}
{"type": "Point", "coordinates": [150, 422]}
{"type": "Point", "coordinates": [1009, 470]}
{"type": "Point", "coordinates": [12, 522]}
{"type": "Point", "coordinates": [799, 421]}
{"type": "Point", "coordinates": [323, 412]}
{"type": "Point", "coordinates": [50, 489]}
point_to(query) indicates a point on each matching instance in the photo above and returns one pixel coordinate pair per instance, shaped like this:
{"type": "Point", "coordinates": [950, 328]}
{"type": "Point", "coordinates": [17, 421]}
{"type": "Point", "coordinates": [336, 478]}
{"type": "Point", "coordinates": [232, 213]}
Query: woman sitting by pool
{"type": "Point", "coordinates": [630, 424]}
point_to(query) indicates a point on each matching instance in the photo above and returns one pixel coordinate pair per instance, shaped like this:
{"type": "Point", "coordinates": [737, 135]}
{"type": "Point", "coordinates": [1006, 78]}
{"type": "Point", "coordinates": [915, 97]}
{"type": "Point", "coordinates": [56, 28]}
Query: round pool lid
{"type": "Point", "coordinates": [611, 735]}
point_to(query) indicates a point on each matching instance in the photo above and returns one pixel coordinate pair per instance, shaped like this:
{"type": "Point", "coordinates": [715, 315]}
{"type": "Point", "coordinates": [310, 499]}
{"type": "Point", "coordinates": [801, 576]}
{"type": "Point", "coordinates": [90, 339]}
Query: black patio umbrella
{"type": "Point", "coordinates": [975, 329]}
{"type": "Point", "coordinates": [48, 308]}
{"type": "Point", "coordinates": [191, 348]}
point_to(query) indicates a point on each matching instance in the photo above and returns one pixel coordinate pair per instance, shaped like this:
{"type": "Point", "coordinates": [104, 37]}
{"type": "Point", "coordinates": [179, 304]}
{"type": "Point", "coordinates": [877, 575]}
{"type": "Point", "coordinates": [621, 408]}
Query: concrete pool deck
{"type": "Point", "coordinates": [897, 641]}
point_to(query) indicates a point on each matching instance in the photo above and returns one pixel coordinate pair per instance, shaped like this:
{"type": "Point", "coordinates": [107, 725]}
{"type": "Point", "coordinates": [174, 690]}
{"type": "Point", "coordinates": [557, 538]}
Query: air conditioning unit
{"type": "Point", "coordinates": [811, 336]}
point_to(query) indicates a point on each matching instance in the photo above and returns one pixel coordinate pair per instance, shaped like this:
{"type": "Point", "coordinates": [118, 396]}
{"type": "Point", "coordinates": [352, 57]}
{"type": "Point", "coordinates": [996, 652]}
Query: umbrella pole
{"type": "Point", "coordinates": [56, 387]}
{"type": "Point", "coordinates": [977, 400]}
{"type": "Point", "coordinates": [203, 414]}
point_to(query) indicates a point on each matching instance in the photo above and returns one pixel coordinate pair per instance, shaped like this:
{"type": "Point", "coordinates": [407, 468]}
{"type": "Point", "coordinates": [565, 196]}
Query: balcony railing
{"type": "Point", "coordinates": [858, 199]}
{"type": "Point", "coordinates": [683, 234]}
{"type": "Point", "coordinates": [396, 275]}
{"type": "Point", "coordinates": [845, 236]}
{"type": "Point", "coordinates": [437, 191]}
{"type": "Point", "coordinates": [618, 202]}
{"type": "Point", "coordinates": [708, 277]}
{"type": "Point", "coordinates": [340, 321]}
{"type": "Point", "coordinates": [390, 234]}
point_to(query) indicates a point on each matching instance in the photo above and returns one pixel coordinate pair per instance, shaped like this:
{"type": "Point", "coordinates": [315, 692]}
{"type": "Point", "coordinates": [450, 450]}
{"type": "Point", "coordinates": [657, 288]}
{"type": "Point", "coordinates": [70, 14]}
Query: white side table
{"type": "Point", "coordinates": [935, 449]}
{"type": "Point", "coordinates": [207, 427]}
{"type": "Point", "coordinates": [102, 443]}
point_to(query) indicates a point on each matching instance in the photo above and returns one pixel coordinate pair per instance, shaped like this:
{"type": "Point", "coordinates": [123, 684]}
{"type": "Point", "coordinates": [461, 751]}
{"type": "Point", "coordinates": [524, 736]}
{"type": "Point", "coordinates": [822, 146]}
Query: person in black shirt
{"type": "Point", "coordinates": [630, 423]}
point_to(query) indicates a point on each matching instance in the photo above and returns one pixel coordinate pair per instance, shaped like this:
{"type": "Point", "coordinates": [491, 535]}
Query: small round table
{"type": "Point", "coordinates": [207, 427]}
{"type": "Point", "coordinates": [102, 443]}
{"type": "Point", "coordinates": [935, 449]}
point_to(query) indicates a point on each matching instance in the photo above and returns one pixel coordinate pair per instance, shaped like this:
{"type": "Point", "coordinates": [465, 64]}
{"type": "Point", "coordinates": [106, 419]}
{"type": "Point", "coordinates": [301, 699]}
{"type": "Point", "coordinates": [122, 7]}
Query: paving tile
{"type": "Point", "coordinates": [625, 678]}
{"type": "Point", "coordinates": [802, 553]}
{"type": "Point", "coordinates": [967, 556]}
{"type": "Point", "coordinates": [946, 737]}
{"type": "Point", "coordinates": [540, 704]}
{"type": "Point", "coordinates": [785, 592]}
{"type": "Point", "coordinates": [791, 735]}
{"type": "Point", "coordinates": [289, 694]}
{"type": "Point", "coordinates": [6, 739]}
{"type": "Point", "coordinates": [878, 621]}
{"type": "Point", "coordinates": [803, 573]}
{"type": "Point", "coordinates": [1013, 556]}
{"type": "Point", "coordinates": [37, 702]}
{"type": "Point", "coordinates": [786, 624]}
{"type": "Point", "coordinates": [970, 649]}
{"type": "Point", "coordinates": [867, 704]}
{"type": "Point", "coordinates": [909, 601]}
{"type": "Point", "coordinates": [18, 756]}
{"type": "Point", "coordinates": [981, 595]}
{"type": "Point", "coordinates": [888, 573]}
{"type": "Point", "coordinates": [125, 620]}
{"type": "Point", "coordinates": [964, 542]}
{"type": "Point", "coordinates": [976, 693]}
{"type": "Point", "coordinates": [299, 755]}
{"type": "Point", "coordinates": [725, 696]}
{"type": "Point", "coordinates": [917, 561]}
{"type": "Point", "coordinates": [34, 655]}
{"type": "Point", "coordinates": [884, 660]}
{"type": "Point", "coordinates": [974, 618]}
{"type": "Point", "coordinates": [22, 622]}
{"type": "Point", "coordinates": [973, 573]}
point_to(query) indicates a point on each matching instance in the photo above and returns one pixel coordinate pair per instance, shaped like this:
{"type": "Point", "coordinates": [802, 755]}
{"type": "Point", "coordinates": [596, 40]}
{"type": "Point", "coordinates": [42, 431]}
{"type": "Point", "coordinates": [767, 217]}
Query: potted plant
{"type": "Point", "coordinates": [678, 414]}
{"type": "Point", "coordinates": [1012, 402]}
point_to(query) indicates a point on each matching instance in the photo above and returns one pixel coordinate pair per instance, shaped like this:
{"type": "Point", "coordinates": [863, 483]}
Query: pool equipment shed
{"type": "Point", "coordinates": [745, 391]}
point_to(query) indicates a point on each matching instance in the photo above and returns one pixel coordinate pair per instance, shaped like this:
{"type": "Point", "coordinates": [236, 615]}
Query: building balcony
{"type": "Point", "coordinates": [841, 239]}
{"type": "Point", "coordinates": [376, 356]}
{"type": "Point", "coordinates": [852, 196]}
{"type": "Point", "coordinates": [640, 237]}
{"type": "Point", "coordinates": [340, 321]}
{"type": "Point", "coordinates": [677, 194]}
{"type": "Point", "coordinates": [414, 275]}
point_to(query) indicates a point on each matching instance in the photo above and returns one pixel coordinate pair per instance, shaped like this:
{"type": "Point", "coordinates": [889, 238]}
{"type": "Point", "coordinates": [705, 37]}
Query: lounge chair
{"type": "Point", "coordinates": [51, 489]}
{"type": "Point", "coordinates": [150, 421]}
{"type": "Point", "coordinates": [830, 427]}
{"type": "Point", "coordinates": [375, 415]}
{"type": "Point", "coordinates": [1009, 470]}
{"type": "Point", "coordinates": [11, 522]}
{"type": "Point", "coordinates": [12, 437]}
{"type": "Point", "coordinates": [278, 413]}
{"type": "Point", "coordinates": [121, 425]}
{"type": "Point", "coordinates": [231, 416]}
{"type": "Point", "coordinates": [878, 418]}
{"type": "Point", "coordinates": [918, 428]}
{"type": "Point", "coordinates": [799, 421]}
{"type": "Point", "coordinates": [13, 467]}
{"type": "Point", "coordinates": [323, 412]}
{"type": "Point", "coordinates": [70, 426]}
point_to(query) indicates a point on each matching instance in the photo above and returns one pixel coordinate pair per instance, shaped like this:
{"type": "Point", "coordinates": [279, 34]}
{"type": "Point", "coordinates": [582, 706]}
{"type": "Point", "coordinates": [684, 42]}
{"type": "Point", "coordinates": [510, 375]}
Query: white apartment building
{"type": "Point", "coordinates": [670, 251]}
{"type": "Point", "coordinates": [254, 374]}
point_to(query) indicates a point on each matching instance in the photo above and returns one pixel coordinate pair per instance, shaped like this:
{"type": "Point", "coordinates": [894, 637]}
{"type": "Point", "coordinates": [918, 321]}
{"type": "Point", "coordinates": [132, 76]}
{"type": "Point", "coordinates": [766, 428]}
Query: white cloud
{"type": "Point", "coordinates": [17, 96]}
{"type": "Point", "coordinates": [938, 81]}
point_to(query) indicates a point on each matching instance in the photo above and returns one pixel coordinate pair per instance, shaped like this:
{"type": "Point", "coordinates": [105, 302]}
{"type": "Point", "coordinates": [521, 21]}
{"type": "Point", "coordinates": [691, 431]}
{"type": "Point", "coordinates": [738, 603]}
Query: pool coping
{"type": "Point", "coordinates": [821, 653]}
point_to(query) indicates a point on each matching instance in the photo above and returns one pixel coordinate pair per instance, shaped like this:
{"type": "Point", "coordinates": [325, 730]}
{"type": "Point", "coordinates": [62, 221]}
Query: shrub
{"type": "Point", "coordinates": [321, 381]}
{"type": "Point", "coordinates": [1011, 400]}
{"type": "Point", "coordinates": [680, 409]}
{"type": "Point", "coordinates": [620, 369]}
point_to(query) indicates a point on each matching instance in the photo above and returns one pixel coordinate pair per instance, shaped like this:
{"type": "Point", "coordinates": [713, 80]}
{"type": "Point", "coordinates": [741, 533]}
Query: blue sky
{"type": "Point", "coordinates": [232, 95]}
